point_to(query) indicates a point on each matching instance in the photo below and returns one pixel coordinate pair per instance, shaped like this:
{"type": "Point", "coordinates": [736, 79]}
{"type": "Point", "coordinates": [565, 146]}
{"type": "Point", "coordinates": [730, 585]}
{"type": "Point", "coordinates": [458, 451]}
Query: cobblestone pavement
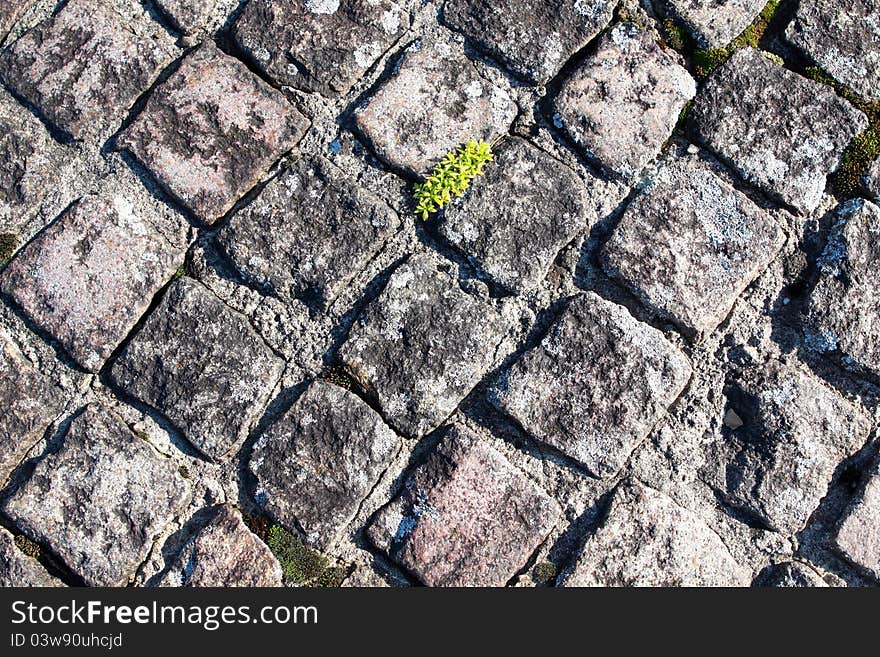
{"type": "Point", "coordinates": [643, 348]}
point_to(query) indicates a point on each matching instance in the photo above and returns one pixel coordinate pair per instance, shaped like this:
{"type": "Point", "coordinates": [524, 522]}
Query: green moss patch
{"type": "Point", "coordinates": [8, 245]}
{"type": "Point", "coordinates": [300, 564]}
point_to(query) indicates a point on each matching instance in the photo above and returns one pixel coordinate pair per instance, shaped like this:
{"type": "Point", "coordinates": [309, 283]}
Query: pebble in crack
{"type": "Point", "coordinates": [796, 430]}
{"type": "Point", "coordinates": [224, 553]}
{"type": "Point", "coordinates": [781, 132]}
{"type": "Point", "coordinates": [435, 101]}
{"type": "Point", "coordinates": [319, 461]}
{"type": "Point", "coordinates": [622, 104]}
{"type": "Point", "coordinates": [423, 345]}
{"type": "Point", "coordinates": [690, 244]}
{"type": "Point", "coordinates": [649, 540]}
{"type": "Point", "coordinates": [84, 67]}
{"type": "Point", "coordinates": [101, 500]}
{"type": "Point", "coordinates": [595, 385]}
{"type": "Point", "coordinates": [202, 365]}
{"type": "Point", "coordinates": [317, 45]}
{"type": "Point", "coordinates": [309, 232]}
{"type": "Point", "coordinates": [466, 517]}
{"type": "Point", "coordinates": [211, 131]}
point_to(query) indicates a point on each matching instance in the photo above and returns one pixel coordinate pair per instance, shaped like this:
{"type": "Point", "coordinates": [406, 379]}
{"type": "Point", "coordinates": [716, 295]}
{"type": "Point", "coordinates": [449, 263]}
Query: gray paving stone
{"type": "Point", "coordinates": [465, 517]}
{"type": "Point", "coordinates": [319, 461]}
{"type": "Point", "coordinates": [18, 569]}
{"type": "Point", "coordinates": [781, 132]}
{"type": "Point", "coordinates": [872, 180]}
{"type": "Point", "coordinates": [792, 575]}
{"type": "Point", "coordinates": [515, 219]}
{"type": "Point", "coordinates": [188, 16]}
{"type": "Point", "coordinates": [649, 540]}
{"type": "Point", "coordinates": [621, 105]}
{"type": "Point", "coordinates": [309, 232]}
{"type": "Point", "coordinates": [85, 67]}
{"type": "Point", "coordinates": [211, 131]}
{"type": "Point", "coordinates": [88, 278]}
{"type": "Point", "coordinates": [595, 385]}
{"type": "Point", "coordinates": [843, 313]}
{"type": "Point", "coordinates": [464, 105]}
{"type": "Point", "coordinates": [224, 553]}
{"type": "Point", "coordinates": [690, 244]}
{"type": "Point", "coordinates": [101, 500]}
{"type": "Point", "coordinates": [12, 11]}
{"type": "Point", "coordinates": [843, 39]}
{"type": "Point", "coordinates": [202, 365]}
{"type": "Point", "coordinates": [858, 535]}
{"type": "Point", "coordinates": [423, 345]}
{"type": "Point", "coordinates": [30, 402]}
{"type": "Point", "coordinates": [534, 39]}
{"type": "Point", "coordinates": [796, 430]}
{"type": "Point", "coordinates": [714, 23]}
{"type": "Point", "coordinates": [320, 45]}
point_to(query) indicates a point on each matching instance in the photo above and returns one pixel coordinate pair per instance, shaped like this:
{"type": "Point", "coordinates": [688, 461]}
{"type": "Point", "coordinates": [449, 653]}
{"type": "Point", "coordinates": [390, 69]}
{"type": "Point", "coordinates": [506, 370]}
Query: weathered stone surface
{"type": "Point", "coordinates": [187, 15]}
{"type": "Point", "coordinates": [463, 106]}
{"type": "Point", "coordinates": [791, 575]}
{"type": "Point", "coordinates": [595, 385]}
{"type": "Point", "coordinates": [87, 279]}
{"type": "Point", "coordinates": [714, 23]}
{"type": "Point", "coordinates": [844, 310]}
{"type": "Point", "coordinates": [534, 39]}
{"type": "Point", "coordinates": [85, 67]}
{"type": "Point", "coordinates": [29, 403]}
{"type": "Point", "coordinates": [622, 104]}
{"type": "Point", "coordinates": [858, 536]}
{"type": "Point", "coordinates": [320, 45]}
{"type": "Point", "coordinates": [318, 462]}
{"type": "Point", "coordinates": [309, 232]}
{"type": "Point", "coordinates": [843, 39]}
{"type": "Point", "coordinates": [18, 569]}
{"type": "Point", "coordinates": [101, 500]}
{"type": "Point", "coordinates": [28, 163]}
{"type": "Point", "coordinates": [516, 218]}
{"type": "Point", "coordinates": [422, 345]}
{"type": "Point", "coordinates": [202, 365]}
{"type": "Point", "coordinates": [782, 132]}
{"type": "Point", "coordinates": [12, 11]}
{"type": "Point", "coordinates": [211, 131]}
{"type": "Point", "coordinates": [690, 244]}
{"type": "Point", "coordinates": [649, 540]}
{"type": "Point", "coordinates": [466, 517]}
{"type": "Point", "coordinates": [872, 180]}
{"type": "Point", "coordinates": [224, 553]}
{"type": "Point", "coordinates": [796, 430]}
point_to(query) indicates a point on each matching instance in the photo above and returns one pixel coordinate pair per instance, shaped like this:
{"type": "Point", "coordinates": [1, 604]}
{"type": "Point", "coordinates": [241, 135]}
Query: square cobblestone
{"type": "Point", "coordinates": [714, 23]}
{"type": "Point", "coordinates": [210, 132]}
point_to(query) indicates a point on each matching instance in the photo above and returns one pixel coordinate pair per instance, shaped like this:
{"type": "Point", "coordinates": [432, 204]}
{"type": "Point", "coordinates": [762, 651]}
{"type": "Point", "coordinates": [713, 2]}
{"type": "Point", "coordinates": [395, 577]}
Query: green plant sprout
{"type": "Point", "coordinates": [451, 177]}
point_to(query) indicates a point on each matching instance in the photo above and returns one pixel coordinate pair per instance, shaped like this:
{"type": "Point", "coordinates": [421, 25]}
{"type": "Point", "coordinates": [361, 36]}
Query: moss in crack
{"type": "Point", "coordinates": [8, 245]}
{"type": "Point", "coordinates": [544, 573]}
{"type": "Point", "coordinates": [27, 546]}
{"type": "Point", "coordinates": [300, 564]}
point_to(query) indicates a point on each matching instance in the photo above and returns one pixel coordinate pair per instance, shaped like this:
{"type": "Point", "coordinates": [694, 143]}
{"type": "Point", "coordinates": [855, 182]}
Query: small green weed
{"type": "Point", "coordinates": [451, 177]}
{"type": "Point", "coordinates": [300, 564]}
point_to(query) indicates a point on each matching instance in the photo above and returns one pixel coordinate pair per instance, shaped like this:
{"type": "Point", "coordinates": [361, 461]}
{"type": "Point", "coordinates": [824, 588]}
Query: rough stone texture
{"type": "Point", "coordinates": [320, 45]}
{"type": "Point", "coordinates": [649, 540]}
{"type": "Point", "coordinates": [842, 38]}
{"type": "Point", "coordinates": [211, 131]}
{"type": "Point", "coordinates": [517, 217]}
{"type": "Point", "coordinates": [466, 517]}
{"type": "Point", "coordinates": [595, 385]}
{"type": "Point", "coordinates": [320, 460]}
{"type": "Point", "coordinates": [858, 536]}
{"type": "Point", "coordinates": [187, 15]}
{"type": "Point", "coordinates": [422, 345]}
{"type": "Point", "coordinates": [202, 365]}
{"type": "Point", "coordinates": [86, 66]}
{"type": "Point", "coordinates": [18, 569]}
{"type": "Point", "coordinates": [29, 403]}
{"type": "Point", "coordinates": [782, 133]}
{"type": "Point", "coordinates": [690, 244]}
{"type": "Point", "coordinates": [12, 11]}
{"type": "Point", "coordinates": [622, 104]}
{"type": "Point", "coordinates": [87, 279]}
{"type": "Point", "coordinates": [101, 500]}
{"type": "Point", "coordinates": [309, 232]}
{"type": "Point", "coordinates": [796, 430]}
{"type": "Point", "coordinates": [792, 575]}
{"type": "Point", "coordinates": [714, 23]}
{"type": "Point", "coordinates": [463, 106]}
{"type": "Point", "coordinates": [844, 311]}
{"type": "Point", "coordinates": [534, 39]}
{"type": "Point", "coordinates": [872, 180]}
{"type": "Point", "coordinates": [225, 553]}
